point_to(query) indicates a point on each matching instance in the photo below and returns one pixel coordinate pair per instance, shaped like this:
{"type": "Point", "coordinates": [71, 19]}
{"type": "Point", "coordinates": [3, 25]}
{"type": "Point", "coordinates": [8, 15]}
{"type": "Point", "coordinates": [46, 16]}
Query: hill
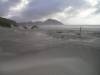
{"type": "Point", "coordinates": [47, 22]}
{"type": "Point", "coordinates": [7, 22]}
{"type": "Point", "coordinates": [52, 22]}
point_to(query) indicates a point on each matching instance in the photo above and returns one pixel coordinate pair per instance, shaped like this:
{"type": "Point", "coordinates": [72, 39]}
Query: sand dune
{"type": "Point", "coordinates": [37, 53]}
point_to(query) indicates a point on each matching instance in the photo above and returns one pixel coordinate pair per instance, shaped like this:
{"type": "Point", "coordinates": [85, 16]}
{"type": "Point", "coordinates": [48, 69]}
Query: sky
{"type": "Point", "coordinates": [71, 12]}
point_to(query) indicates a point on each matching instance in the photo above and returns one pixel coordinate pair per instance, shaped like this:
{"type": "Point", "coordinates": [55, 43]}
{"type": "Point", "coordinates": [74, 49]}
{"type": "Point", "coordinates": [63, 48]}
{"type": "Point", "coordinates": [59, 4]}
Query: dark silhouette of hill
{"type": "Point", "coordinates": [52, 22]}
{"type": "Point", "coordinates": [47, 22]}
{"type": "Point", "coordinates": [7, 22]}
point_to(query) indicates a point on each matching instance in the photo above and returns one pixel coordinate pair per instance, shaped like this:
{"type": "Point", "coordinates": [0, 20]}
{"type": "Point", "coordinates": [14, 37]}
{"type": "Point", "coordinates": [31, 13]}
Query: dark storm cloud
{"type": "Point", "coordinates": [5, 5]}
{"type": "Point", "coordinates": [37, 9]}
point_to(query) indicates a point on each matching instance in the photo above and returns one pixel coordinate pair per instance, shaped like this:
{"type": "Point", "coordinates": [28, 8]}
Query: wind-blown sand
{"type": "Point", "coordinates": [37, 53]}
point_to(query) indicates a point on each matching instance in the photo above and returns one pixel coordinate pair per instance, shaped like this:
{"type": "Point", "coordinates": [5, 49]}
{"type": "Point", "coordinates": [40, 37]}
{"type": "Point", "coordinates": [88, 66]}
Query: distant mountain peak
{"type": "Point", "coordinates": [52, 22]}
{"type": "Point", "coordinates": [46, 22]}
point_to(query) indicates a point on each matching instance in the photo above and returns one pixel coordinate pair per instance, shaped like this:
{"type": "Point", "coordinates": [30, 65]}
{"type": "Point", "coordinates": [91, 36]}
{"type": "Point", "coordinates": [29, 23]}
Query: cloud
{"type": "Point", "coordinates": [5, 5]}
{"type": "Point", "coordinates": [85, 15]}
{"type": "Point", "coordinates": [93, 20]}
{"type": "Point", "coordinates": [38, 9]}
{"type": "Point", "coordinates": [67, 11]}
{"type": "Point", "coordinates": [17, 9]}
{"type": "Point", "coordinates": [79, 16]}
{"type": "Point", "coordinates": [92, 2]}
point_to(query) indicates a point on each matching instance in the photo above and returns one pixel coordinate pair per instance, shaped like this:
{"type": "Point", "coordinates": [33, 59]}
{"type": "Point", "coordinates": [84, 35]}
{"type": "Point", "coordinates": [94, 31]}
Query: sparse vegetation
{"type": "Point", "coordinates": [6, 22]}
